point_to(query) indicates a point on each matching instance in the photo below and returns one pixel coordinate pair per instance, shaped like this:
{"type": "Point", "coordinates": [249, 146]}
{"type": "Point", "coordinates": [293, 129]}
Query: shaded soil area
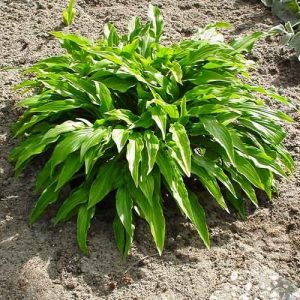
{"type": "Point", "coordinates": [43, 262]}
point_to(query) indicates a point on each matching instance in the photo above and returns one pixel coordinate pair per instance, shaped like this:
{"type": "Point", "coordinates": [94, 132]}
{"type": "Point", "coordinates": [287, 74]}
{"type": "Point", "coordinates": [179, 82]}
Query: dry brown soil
{"type": "Point", "coordinates": [255, 259]}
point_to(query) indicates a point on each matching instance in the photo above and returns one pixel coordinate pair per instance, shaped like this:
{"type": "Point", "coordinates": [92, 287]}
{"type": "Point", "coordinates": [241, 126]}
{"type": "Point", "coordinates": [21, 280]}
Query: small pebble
{"type": "Point", "coordinates": [8, 218]}
{"type": "Point", "coordinates": [274, 295]}
{"type": "Point", "coordinates": [248, 286]}
{"type": "Point", "coordinates": [234, 276]}
{"type": "Point", "coordinates": [296, 294]}
{"type": "Point", "coordinates": [274, 277]}
{"type": "Point", "coordinates": [262, 286]}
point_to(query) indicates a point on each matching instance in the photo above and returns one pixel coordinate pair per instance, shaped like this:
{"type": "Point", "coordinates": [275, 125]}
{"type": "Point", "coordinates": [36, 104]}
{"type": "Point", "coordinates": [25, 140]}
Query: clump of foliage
{"type": "Point", "coordinates": [289, 12]}
{"type": "Point", "coordinates": [130, 116]}
{"type": "Point", "coordinates": [69, 13]}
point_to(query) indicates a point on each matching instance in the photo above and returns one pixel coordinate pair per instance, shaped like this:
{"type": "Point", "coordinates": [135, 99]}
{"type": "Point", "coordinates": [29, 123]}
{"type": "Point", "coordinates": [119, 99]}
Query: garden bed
{"type": "Point", "coordinates": [251, 259]}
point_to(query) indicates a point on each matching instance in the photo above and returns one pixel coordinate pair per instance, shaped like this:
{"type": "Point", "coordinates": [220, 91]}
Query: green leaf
{"type": "Point", "coordinates": [174, 180]}
{"type": "Point", "coordinates": [85, 215]}
{"type": "Point", "coordinates": [124, 206]}
{"type": "Point", "coordinates": [49, 196]}
{"type": "Point", "coordinates": [179, 136]}
{"type": "Point", "coordinates": [105, 182]}
{"type": "Point", "coordinates": [247, 42]}
{"type": "Point", "coordinates": [152, 146]}
{"type": "Point", "coordinates": [119, 84]}
{"type": "Point", "coordinates": [70, 167]}
{"type": "Point", "coordinates": [175, 68]}
{"type": "Point", "coordinates": [111, 35]}
{"type": "Point", "coordinates": [156, 218]}
{"type": "Point", "coordinates": [68, 145]}
{"type": "Point", "coordinates": [208, 76]}
{"type": "Point", "coordinates": [151, 210]}
{"type": "Point", "coordinates": [78, 197]}
{"type": "Point", "coordinates": [134, 28]}
{"type": "Point", "coordinates": [198, 217]}
{"type": "Point", "coordinates": [121, 236]}
{"type": "Point", "coordinates": [65, 127]}
{"type": "Point", "coordinates": [93, 139]}
{"type": "Point", "coordinates": [245, 168]}
{"type": "Point", "coordinates": [287, 11]}
{"type": "Point", "coordinates": [69, 13]}
{"type": "Point", "coordinates": [134, 155]}
{"type": "Point", "coordinates": [103, 93]}
{"type": "Point", "coordinates": [210, 183]}
{"type": "Point", "coordinates": [146, 182]}
{"type": "Point", "coordinates": [120, 137]}
{"type": "Point", "coordinates": [180, 194]}
{"type": "Point", "coordinates": [208, 109]}
{"type": "Point", "coordinates": [156, 21]}
{"type": "Point", "coordinates": [27, 154]}
{"type": "Point", "coordinates": [220, 133]}
{"type": "Point", "coordinates": [43, 176]}
{"type": "Point", "coordinates": [267, 129]}
{"type": "Point", "coordinates": [245, 185]}
{"type": "Point", "coordinates": [160, 118]}
{"type": "Point", "coordinates": [215, 171]}
{"type": "Point", "coordinates": [57, 106]}
{"type": "Point", "coordinates": [237, 202]}
{"type": "Point", "coordinates": [79, 40]}
{"type": "Point", "coordinates": [122, 114]}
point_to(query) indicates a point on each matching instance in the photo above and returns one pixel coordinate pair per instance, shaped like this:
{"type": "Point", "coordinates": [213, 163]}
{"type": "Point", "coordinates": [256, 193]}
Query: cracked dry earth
{"type": "Point", "coordinates": [255, 259]}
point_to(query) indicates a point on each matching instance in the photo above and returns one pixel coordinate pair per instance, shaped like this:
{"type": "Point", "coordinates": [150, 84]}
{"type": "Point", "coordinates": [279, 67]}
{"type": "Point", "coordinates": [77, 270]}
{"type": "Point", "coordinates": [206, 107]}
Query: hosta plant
{"type": "Point", "coordinates": [133, 118]}
{"type": "Point", "coordinates": [286, 10]}
{"type": "Point", "coordinates": [289, 12]}
{"type": "Point", "coordinates": [69, 13]}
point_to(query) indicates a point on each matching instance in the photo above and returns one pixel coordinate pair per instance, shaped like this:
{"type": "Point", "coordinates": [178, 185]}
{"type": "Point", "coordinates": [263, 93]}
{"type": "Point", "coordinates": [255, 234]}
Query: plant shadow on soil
{"type": "Point", "coordinates": [104, 270]}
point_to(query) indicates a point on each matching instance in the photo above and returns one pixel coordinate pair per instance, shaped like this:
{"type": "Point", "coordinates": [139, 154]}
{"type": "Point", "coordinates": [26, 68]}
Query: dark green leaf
{"type": "Point", "coordinates": [85, 215]}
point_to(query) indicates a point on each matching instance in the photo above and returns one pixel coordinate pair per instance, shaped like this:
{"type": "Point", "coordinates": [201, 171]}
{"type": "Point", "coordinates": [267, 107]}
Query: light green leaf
{"type": "Point", "coordinates": [106, 102]}
{"type": "Point", "coordinates": [156, 21]}
{"type": "Point", "coordinates": [247, 42]}
{"type": "Point", "coordinates": [134, 155]}
{"type": "Point", "coordinates": [176, 71]}
{"type": "Point", "coordinates": [180, 137]}
{"type": "Point", "coordinates": [120, 137]}
{"type": "Point", "coordinates": [198, 217]}
{"type": "Point", "coordinates": [94, 138]}
{"type": "Point", "coordinates": [152, 146]}
{"type": "Point", "coordinates": [111, 35]}
{"type": "Point", "coordinates": [122, 114]}
{"type": "Point", "coordinates": [146, 182]}
{"type": "Point", "coordinates": [245, 168]}
{"type": "Point", "coordinates": [220, 133]}
{"type": "Point", "coordinates": [124, 206]}
{"type": "Point", "coordinates": [160, 118]}
{"type": "Point", "coordinates": [65, 127]}
{"type": "Point", "coordinates": [69, 13]}
{"type": "Point", "coordinates": [68, 145]}
{"type": "Point", "coordinates": [119, 84]}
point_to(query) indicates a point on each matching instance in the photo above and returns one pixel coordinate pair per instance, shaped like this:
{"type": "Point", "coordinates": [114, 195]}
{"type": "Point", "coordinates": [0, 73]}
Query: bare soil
{"type": "Point", "coordinates": [254, 259]}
